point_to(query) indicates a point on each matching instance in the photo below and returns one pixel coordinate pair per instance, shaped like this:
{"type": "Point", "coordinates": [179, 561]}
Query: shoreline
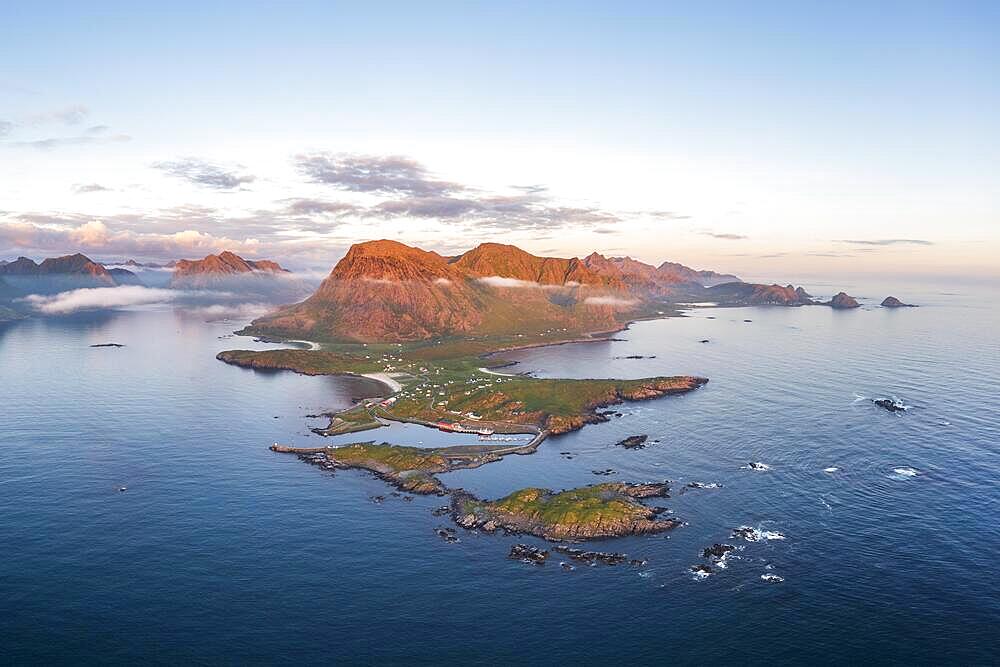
{"type": "Point", "coordinates": [312, 346]}
{"type": "Point", "coordinates": [385, 379]}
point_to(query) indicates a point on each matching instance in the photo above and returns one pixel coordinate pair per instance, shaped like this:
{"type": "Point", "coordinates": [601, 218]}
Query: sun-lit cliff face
{"type": "Point", "coordinates": [200, 272]}
{"type": "Point", "coordinates": [388, 291]}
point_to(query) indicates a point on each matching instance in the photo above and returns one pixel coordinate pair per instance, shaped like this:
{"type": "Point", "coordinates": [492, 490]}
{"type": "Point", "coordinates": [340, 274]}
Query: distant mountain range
{"type": "Point", "coordinates": [204, 272]}
{"type": "Point", "coordinates": [58, 274]}
{"type": "Point", "coordinates": [23, 277]}
{"type": "Point", "coordinates": [388, 291]}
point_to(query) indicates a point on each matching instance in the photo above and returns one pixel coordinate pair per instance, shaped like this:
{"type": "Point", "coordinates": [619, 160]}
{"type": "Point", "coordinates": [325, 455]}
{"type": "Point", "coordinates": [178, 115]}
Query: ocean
{"type": "Point", "coordinates": [878, 532]}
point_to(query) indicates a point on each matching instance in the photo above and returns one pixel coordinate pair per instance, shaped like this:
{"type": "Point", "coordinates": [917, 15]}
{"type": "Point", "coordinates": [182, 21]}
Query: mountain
{"type": "Point", "coordinates": [205, 272]}
{"type": "Point", "coordinates": [668, 279]}
{"type": "Point", "coordinates": [125, 277]}
{"type": "Point", "coordinates": [684, 274]}
{"type": "Point", "coordinates": [754, 294]}
{"type": "Point", "coordinates": [58, 274]}
{"type": "Point", "coordinates": [143, 265]}
{"type": "Point", "coordinates": [507, 261]}
{"type": "Point", "coordinates": [388, 291]}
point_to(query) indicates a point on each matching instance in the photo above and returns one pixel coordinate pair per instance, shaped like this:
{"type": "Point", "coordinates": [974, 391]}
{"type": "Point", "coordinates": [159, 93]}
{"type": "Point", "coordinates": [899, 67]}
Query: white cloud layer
{"type": "Point", "coordinates": [609, 301]}
{"type": "Point", "coordinates": [100, 298]}
{"type": "Point", "coordinates": [500, 281]}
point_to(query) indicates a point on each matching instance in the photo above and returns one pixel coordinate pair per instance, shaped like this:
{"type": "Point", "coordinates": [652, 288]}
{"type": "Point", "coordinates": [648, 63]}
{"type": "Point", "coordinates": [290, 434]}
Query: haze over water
{"type": "Point", "coordinates": [221, 551]}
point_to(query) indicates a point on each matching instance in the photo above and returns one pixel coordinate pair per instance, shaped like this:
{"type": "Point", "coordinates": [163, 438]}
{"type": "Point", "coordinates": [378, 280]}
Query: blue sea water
{"type": "Point", "coordinates": [220, 551]}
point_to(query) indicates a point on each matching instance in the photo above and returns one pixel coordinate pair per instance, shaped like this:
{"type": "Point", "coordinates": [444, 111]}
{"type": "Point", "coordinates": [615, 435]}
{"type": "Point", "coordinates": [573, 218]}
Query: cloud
{"type": "Point", "coordinates": [389, 175]}
{"type": "Point", "coordinates": [727, 237]}
{"type": "Point", "coordinates": [507, 212]}
{"type": "Point", "coordinates": [319, 207]}
{"type": "Point", "coordinates": [536, 189]}
{"type": "Point", "coordinates": [884, 242]}
{"type": "Point", "coordinates": [516, 283]}
{"type": "Point", "coordinates": [83, 188]}
{"type": "Point", "coordinates": [62, 142]}
{"type": "Point", "coordinates": [200, 303]}
{"type": "Point", "coordinates": [101, 298]}
{"type": "Point", "coordinates": [660, 215]}
{"type": "Point", "coordinates": [414, 192]}
{"type": "Point", "coordinates": [500, 281]}
{"type": "Point", "coordinates": [96, 236]}
{"type": "Point", "coordinates": [72, 115]}
{"type": "Point", "coordinates": [608, 301]}
{"type": "Point", "coordinates": [239, 311]}
{"type": "Point", "coordinates": [204, 173]}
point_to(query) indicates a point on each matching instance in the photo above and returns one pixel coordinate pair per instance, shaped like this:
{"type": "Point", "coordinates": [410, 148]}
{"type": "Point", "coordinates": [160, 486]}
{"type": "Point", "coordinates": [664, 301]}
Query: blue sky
{"type": "Point", "coordinates": [802, 128]}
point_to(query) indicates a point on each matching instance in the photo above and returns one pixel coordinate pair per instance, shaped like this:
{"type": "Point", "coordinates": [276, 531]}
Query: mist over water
{"type": "Point", "coordinates": [220, 550]}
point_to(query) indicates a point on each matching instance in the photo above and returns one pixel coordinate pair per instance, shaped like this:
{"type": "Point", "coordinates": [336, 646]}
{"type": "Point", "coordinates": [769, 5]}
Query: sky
{"type": "Point", "coordinates": [768, 139]}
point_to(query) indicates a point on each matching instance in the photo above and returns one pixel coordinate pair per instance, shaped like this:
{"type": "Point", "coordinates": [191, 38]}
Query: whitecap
{"type": "Point", "coordinates": [831, 469]}
{"type": "Point", "coordinates": [771, 578]}
{"type": "Point", "coordinates": [748, 533]}
{"type": "Point", "coordinates": [772, 535]}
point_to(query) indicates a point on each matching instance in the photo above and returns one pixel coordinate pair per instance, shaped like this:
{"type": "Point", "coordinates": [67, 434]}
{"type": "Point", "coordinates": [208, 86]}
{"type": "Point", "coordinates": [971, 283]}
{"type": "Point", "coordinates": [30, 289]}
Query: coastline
{"type": "Point", "coordinates": [385, 379]}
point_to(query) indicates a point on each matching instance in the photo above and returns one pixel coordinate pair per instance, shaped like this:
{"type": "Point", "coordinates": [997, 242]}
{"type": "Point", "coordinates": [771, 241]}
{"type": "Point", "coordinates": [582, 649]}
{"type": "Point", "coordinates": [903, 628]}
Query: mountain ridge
{"type": "Point", "coordinates": [387, 291]}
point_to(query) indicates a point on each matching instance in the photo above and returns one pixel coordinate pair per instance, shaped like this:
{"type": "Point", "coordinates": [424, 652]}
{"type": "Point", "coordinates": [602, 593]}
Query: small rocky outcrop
{"type": "Point", "coordinates": [843, 301]}
{"type": "Point", "coordinates": [633, 442]}
{"type": "Point", "coordinates": [717, 551]}
{"type": "Point", "coordinates": [528, 554]}
{"type": "Point", "coordinates": [889, 404]}
{"type": "Point", "coordinates": [592, 557]}
{"type": "Point", "coordinates": [893, 302]}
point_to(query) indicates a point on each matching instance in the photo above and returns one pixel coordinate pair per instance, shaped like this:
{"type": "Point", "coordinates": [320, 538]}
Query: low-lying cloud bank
{"type": "Point", "coordinates": [100, 298]}
{"type": "Point", "coordinates": [207, 303]}
{"type": "Point", "coordinates": [609, 301]}
{"type": "Point", "coordinates": [501, 281]}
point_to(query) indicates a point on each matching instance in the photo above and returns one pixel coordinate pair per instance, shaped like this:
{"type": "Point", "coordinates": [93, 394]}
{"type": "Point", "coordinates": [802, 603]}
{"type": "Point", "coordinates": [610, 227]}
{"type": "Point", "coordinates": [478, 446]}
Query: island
{"type": "Point", "coordinates": [461, 395]}
{"type": "Point", "coordinates": [598, 511]}
{"type": "Point", "coordinates": [434, 330]}
{"type": "Point", "coordinates": [410, 469]}
{"type": "Point", "coordinates": [893, 302]}
{"type": "Point", "coordinates": [843, 301]}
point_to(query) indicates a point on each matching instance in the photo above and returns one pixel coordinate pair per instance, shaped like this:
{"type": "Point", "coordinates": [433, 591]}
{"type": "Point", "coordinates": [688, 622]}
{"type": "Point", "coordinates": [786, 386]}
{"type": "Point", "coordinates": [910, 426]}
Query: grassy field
{"type": "Point", "coordinates": [307, 362]}
{"type": "Point", "coordinates": [457, 390]}
{"type": "Point", "coordinates": [602, 510]}
{"type": "Point", "coordinates": [389, 458]}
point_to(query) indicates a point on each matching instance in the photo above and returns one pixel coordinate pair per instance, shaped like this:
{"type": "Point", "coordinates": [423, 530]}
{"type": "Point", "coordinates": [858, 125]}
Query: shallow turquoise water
{"type": "Point", "coordinates": [220, 551]}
